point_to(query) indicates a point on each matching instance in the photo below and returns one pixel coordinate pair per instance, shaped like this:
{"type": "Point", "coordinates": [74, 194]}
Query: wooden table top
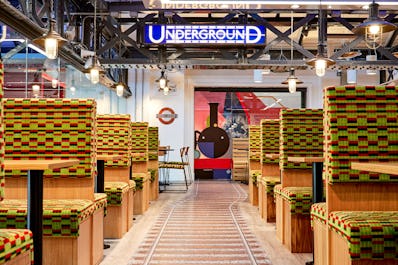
{"type": "Point", "coordinates": [272, 156]}
{"type": "Point", "coordinates": [39, 164]}
{"type": "Point", "coordinates": [109, 157]}
{"type": "Point", "coordinates": [379, 167]}
{"type": "Point", "coordinates": [305, 159]}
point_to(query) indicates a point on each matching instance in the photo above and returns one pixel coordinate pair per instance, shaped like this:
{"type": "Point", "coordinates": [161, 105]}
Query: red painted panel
{"type": "Point", "coordinates": [208, 163]}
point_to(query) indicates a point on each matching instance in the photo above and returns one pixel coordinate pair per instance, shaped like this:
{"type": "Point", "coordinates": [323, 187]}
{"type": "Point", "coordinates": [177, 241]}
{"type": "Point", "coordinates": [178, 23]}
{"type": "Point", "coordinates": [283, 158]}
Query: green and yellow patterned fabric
{"type": "Point", "coordinates": [301, 135]}
{"type": "Point", "coordinates": [139, 179]}
{"type": "Point", "coordinates": [361, 124]}
{"type": "Point", "coordinates": [153, 172]}
{"type": "Point", "coordinates": [269, 140]}
{"type": "Point", "coordinates": [299, 198]}
{"type": "Point", "coordinates": [255, 175]}
{"type": "Point", "coordinates": [370, 235]}
{"type": "Point", "coordinates": [269, 184]}
{"type": "Point", "coordinates": [319, 212]}
{"type": "Point", "coordinates": [14, 242]}
{"type": "Point", "coordinates": [278, 190]}
{"type": "Point", "coordinates": [139, 141]}
{"type": "Point", "coordinates": [115, 191]}
{"type": "Point", "coordinates": [153, 143]}
{"type": "Point", "coordinates": [254, 142]}
{"type": "Point", "coordinates": [52, 129]}
{"type": "Point", "coordinates": [100, 201]}
{"type": "Point", "coordinates": [60, 217]}
{"type": "Point", "coordinates": [114, 138]}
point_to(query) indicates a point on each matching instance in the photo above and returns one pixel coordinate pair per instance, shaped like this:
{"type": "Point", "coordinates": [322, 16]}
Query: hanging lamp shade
{"type": "Point", "coordinates": [51, 41]}
{"type": "Point", "coordinates": [292, 76]}
{"type": "Point", "coordinates": [373, 24]}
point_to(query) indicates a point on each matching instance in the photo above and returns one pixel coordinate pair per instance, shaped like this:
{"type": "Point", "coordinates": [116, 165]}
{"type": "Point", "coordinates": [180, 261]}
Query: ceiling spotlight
{"type": "Point", "coordinates": [162, 81]}
{"type": "Point", "coordinates": [51, 41]}
{"type": "Point", "coordinates": [36, 90]}
{"type": "Point", "coordinates": [295, 6]}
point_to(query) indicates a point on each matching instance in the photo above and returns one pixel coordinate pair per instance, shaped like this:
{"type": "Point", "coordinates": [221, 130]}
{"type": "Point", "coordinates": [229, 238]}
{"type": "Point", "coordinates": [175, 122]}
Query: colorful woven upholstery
{"type": "Point", "coordinates": [139, 179]}
{"type": "Point", "coordinates": [255, 175]}
{"type": "Point", "coordinates": [114, 138]}
{"type": "Point", "coordinates": [269, 140]}
{"type": "Point", "coordinates": [370, 235]}
{"type": "Point", "coordinates": [172, 164]}
{"type": "Point", "coordinates": [52, 129]}
{"type": "Point", "coordinates": [254, 142]}
{"type": "Point", "coordinates": [301, 134]}
{"type": "Point", "coordinates": [299, 198]}
{"type": "Point", "coordinates": [319, 212]}
{"type": "Point", "coordinates": [269, 184]}
{"type": "Point", "coordinates": [132, 184]}
{"type": "Point", "coordinates": [139, 141]}
{"type": "Point", "coordinates": [100, 201]}
{"type": "Point", "coordinates": [114, 192]}
{"type": "Point", "coordinates": [153, 173]}
{"type": "Point", "coordinates": [361, 124]}
{"type": "Point", "coordinates": [153, 143]}
{"type": "Point", "coordinates": [14, 242]}
{"type": "Point", "coordinates": [60, 217]}
{"type": "Point", "coordinates": [278, 190]}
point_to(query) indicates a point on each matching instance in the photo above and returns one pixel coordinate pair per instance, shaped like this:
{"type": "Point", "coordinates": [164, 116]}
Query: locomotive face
{"type": "Point", "coordinates": [213, 142]}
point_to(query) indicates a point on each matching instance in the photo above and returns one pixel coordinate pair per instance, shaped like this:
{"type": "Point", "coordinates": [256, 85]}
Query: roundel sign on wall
{"type": "Point", "coordinates": [166, 115]}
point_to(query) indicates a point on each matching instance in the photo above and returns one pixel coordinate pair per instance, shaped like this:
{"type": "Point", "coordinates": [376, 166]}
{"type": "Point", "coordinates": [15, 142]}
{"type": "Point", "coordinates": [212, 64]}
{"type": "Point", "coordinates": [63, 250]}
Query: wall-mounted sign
{"type": "Point", "coordinates": [205, 34]}
{"type": "Point", "coordinates": [166, 115]}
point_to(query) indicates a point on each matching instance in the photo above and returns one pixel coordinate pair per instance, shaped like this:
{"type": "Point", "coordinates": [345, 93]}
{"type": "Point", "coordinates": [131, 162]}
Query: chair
{"type": "Point", "coordinates": [179, 165]}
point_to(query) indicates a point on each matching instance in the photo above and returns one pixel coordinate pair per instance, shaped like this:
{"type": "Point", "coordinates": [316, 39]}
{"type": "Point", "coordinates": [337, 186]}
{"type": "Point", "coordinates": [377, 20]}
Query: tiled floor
{"type": "Point", "coordinates": [212, 224]}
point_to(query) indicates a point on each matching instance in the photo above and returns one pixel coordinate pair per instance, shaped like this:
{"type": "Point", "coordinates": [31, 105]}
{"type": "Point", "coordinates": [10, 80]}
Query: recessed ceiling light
{"type": "Point", "coordinates": [295, 6]}
{"type": "Point", "coordinates": [365, 7]}
{"type": "Point", "coordinates": [330, 6]}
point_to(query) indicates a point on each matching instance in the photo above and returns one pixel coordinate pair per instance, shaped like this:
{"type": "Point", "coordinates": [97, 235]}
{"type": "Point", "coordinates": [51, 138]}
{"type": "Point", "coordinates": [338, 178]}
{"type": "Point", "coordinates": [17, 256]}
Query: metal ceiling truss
{"type": "Point", "coordinates": [120, 43]}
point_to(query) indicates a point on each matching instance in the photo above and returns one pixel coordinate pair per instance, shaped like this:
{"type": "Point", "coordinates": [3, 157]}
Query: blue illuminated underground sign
{"type": "Point", "coordinates": [204, 34]}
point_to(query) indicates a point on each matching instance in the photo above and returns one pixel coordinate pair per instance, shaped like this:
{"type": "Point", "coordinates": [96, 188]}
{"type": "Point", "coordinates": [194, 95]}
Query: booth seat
{"type": "Point", "coordinates": [153, 157]}
{"type": "Point", "coordinates": [141, 196]}
{"type": "Point", "coordinates": [301, 135]}
{"type": "Point", "coordinates": [57, 129]}
{"type": "Point", "coordinates": [114, 138]}
{"type": "Point", "coordinates": [361, 125]}
{"type": "Point", "coordinates": [270, 134]}
{"type": "Point", "coordinates": [16, 245]}
{"type": "Point", "coordinates": [254, 160]}
{"type": "Point", "coordinates": [319, 218]}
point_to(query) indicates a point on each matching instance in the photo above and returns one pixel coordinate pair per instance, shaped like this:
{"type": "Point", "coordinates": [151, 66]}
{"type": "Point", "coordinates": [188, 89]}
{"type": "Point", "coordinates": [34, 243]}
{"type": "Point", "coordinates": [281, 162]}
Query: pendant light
{"type": "Point", "coordinates": [321, 61]}
{"type": "Point", "coordinates": [51, 41]}
{"type": "Point", "coordinates": [374, 27]}
{"type": "Point", "coordinates": [292, 81]}
{"type": "Point", "coordinates": [95, 69]}
{"type": "Point", "coordinates": [162, 80]}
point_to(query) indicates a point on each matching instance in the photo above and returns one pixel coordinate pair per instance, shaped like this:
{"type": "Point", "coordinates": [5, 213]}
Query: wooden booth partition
{"type": "Point", "coordinates": [153, 165]}
{"type": "Point", "coordinates": [254, 162]}
{"type": "Point", "coordinates": [139, 158]}
{"type": "Point", "coordinates": [361, 125]}
{"type": "Point", "coordinates": [269, 167]}
{"type": "Point", "coordinates": [301, 135]}
{"type": "Point", "coordinates": [114, 142]}
{"type": "Point", "coordinates": [57, 129]}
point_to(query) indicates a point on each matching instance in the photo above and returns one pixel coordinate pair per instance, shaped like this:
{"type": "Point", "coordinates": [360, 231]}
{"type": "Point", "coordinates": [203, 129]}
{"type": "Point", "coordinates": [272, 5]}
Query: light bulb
{"type": "Point", "coordinates": [162, 82]}
{"type": "Point", "coordinates": [36, 90]}
{"type": "Point", "coordinates": [54, 83]}
{"type": "Point", "coordinates": [292, 85]}
{"type": "Point", "coordinates": [166, 90]}
{"type": "Point", "coordinates": [72, 89]}
{"type": "Point", "coordinates": [119, 90]}
{"type": "Point", "coordinates": [374, 29]}
{"type": "Point", "coordinates": [94, 75]}
{"type": "Point", "coordinates": [51, 48]}
{"type": "Point", "coordinates": [320, 67]}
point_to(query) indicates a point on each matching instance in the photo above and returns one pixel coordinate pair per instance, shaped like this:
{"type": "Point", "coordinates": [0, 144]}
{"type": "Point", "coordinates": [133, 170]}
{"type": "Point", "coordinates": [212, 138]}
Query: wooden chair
{"type": "Point", "coordinates": [179, 165]}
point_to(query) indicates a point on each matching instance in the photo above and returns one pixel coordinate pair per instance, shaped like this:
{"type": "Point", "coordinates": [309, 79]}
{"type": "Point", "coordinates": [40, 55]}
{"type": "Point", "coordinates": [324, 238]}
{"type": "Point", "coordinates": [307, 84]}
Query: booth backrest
{"type": "Point", "coordinates": [254, 143]}
{"type": "Point", "coordinates": [361, 124]}
{"type": "Point", "coordinates": [301, 135]}
{"type": "Point", "coordinates": [2, 178]}
{"type": "Point", "coordinates": [153, 144]}
{"type": "Point", "coordinates": [52, 129]}
{"type": "Point", "coordinates": [139, 147]}
{"type": "Point", "coordinates": [114, 138]}
{"type": "Point", "coordinates": [269, 140]}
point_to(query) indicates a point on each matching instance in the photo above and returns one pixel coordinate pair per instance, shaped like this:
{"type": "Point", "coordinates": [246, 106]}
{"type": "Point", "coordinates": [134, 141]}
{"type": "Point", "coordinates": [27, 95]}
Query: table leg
{"type": "Point", "coordinates": [99, 187]}
{"type": "Point", "coordinates": [35, 211]}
